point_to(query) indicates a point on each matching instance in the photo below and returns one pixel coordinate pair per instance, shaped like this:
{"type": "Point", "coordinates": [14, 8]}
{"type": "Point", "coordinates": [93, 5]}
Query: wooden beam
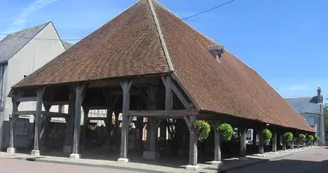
{"type": "Point", "coordinates": [167, 81]}
{"type": "Point", "coordinates": [97, 118]}
{"type": "Point", "coordinates": [126, 86]}
{"type": "Point", "coordinates": [58, 103]}
{"type": "Point", "coordinates": [54, 114]}
{"type": "Point", "coordinates": [44, 113]}
{"type": "Point", "coordinates": [25, 113]}
{"type": "Point", "coordinates": [12, 129]}
{"type": "Point", "coordinates": [158, 113]}
{"type": "Point", "coordinates": [79, 94]}
{"type": "Point", "coordinates": [37, 121]}
{"type": "Point", "coordinates": [25, 99]}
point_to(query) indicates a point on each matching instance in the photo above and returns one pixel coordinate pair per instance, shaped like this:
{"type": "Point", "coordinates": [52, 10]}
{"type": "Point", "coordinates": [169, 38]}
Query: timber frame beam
{"type": "Point", "coordinates": [158, 113]}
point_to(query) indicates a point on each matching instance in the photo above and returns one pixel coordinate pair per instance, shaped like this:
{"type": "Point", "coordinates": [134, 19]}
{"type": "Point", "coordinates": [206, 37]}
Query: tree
{"type": "Point", "coordinates": [325, 108]}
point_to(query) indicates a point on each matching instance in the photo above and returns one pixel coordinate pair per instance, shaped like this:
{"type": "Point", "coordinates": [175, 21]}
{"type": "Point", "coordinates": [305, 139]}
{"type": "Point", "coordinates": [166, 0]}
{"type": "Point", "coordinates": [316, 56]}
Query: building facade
{"type": "Point", "coordinates": [22, 53]}
{"type": "Point", "coordinates": [311, 109]}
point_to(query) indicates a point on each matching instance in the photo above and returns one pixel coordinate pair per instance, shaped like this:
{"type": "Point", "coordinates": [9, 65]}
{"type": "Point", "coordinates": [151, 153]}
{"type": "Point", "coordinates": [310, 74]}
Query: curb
{"type": "Point", "coordinates": [40, 159]}
{"type": "Point", "coordinates": [32, 159]}
{"type": "Point", "coordinates": [99, 166]}
{"type": "Point", "coordinates": [261, 161]}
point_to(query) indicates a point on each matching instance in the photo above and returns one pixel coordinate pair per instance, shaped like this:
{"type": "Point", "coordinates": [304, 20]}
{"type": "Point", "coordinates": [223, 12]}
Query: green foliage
{"type": "Point", "coordinates": [226, 131]}
{"type": "Point", "coordinates": [310, 139]}
{"type": "Point", "coordinates": [301, 138]}
{"type": "Point", "coordinates": [203, 129]}
{"type": "Point", "coordinates": [326, 117]}
{"type": "Point", "coordinates": [316, 138]}
{"type": "Point", "coordinates": [288, 136]}
{"type": "Point", "coordinates": [267, 134]}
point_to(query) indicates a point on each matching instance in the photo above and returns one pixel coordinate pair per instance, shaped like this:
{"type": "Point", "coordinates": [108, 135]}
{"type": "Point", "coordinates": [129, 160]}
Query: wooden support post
{"type": "Point", "coordinates": [168, 103]}
{"type": "Point", "coordinates": [126, 86]}
{"type": "Point", "coordinates": [85, 125]}
{"type": "Point", "coordinates": [37, 122]}
{"type": "Point", "coordinates": [274, 142]}
{"type": "Point", "coordinates": [243, 134]}
{"type": "Point", "coordinates": [261, 138]}
{"type": "Point", "coordinates": [192, 146]}
{"type": "Point", "coordinates": [45, 120]}
{"type": "Point", "coordinates": [69, 124]}
{"type": "Point", "coordinates": [79, 89]}
{"type": "Point", "coordinates": [217, 143]}
{"type": "Point", "coordinates": [152, 128]}
{"type": "Point", "coordinates": [11, 148]}
{"type": "Point", "coordinates": [254, 137]}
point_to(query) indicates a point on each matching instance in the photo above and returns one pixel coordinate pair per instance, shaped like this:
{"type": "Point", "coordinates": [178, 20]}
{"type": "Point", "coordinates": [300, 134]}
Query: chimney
{"type": "Point", "coordinates": [319, 95]}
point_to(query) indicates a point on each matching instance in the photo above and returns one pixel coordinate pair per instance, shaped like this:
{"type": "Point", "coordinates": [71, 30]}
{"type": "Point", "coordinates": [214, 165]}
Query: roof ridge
{"type": "Point", "coordinates": [187, 24]}
{"type": "Point", "coordinates": [26, 29]}
{"type": "Point", "coordinates": [161, 37]}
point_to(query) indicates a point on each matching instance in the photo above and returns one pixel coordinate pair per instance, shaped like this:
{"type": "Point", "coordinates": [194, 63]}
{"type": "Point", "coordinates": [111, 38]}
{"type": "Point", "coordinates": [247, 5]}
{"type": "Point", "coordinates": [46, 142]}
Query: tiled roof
{"type": "Point", "coordinates": [14, 42]}
{"type": "Point", "coordinates": [134, 44]}
{"type": "Point", "coordinates": [305, 104]}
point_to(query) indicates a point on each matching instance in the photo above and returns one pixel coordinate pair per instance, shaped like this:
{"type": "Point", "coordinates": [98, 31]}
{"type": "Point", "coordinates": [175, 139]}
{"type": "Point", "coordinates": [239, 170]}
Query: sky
{"type": "Point", "coordinates": [285, 41]}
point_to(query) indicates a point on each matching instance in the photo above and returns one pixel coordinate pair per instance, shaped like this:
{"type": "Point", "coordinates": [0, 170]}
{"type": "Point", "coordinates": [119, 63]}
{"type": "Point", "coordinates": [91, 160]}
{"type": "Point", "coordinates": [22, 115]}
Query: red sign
{"type": "Point", "coordinates": [192, 111]}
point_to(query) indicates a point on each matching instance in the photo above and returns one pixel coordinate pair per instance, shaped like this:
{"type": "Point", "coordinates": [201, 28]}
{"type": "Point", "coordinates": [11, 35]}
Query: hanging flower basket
{"type": "Point", "coordinates": [301, 138]}
{"type": "Point", "coordinates": [316, 138]}
{"type": "Point", "coordinates": [310, 139]}
{"type": "Point", "coordinates": [288, 137]}
{"type": "Point", "coordinates": [226, 131]}
{"type": "Point", "coordinates": [203, 129]}
{"type": "Point", "coordinates": [267, 134]}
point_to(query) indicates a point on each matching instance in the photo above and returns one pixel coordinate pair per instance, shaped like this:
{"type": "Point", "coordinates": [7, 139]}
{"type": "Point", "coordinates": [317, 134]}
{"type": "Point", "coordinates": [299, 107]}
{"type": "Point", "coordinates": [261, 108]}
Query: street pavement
{"type": "Point", "coordinates": [19, 166]}
{"type": "Point", "coordinates": [311, 161]}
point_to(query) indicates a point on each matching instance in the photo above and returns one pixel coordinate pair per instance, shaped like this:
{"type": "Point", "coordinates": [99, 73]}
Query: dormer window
{"type": "Point", "coordinates": [216, 51]}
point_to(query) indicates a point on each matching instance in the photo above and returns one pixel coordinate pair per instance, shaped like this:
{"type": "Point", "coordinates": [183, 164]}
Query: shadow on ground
{"type": "Point", "coordinates": [283, 166]}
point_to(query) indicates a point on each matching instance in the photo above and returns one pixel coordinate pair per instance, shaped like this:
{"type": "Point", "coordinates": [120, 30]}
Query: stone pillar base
{"type": "Point", "coordinates": [242, 158]}
{"type": "Point", "coordinates": [35, 152]}
{"type": "Point", "coordinates": [67, 149]}
{"type": "Point", "coordinates": [192, 167]}
{"type": "Point", "coordinates": [216, 163]}
{"type": "Point", "coordinates": [74, 156]}
{"type": "Point", "coordinates": [11, 150]}
{"type": "Point", "coordinates": [124, 160]}
{"type": "Point", "coordinates": [152, 155]}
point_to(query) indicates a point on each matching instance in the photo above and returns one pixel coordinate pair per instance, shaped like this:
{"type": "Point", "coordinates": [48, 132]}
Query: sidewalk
{"type": "Point", "coordinates": [227, 164]}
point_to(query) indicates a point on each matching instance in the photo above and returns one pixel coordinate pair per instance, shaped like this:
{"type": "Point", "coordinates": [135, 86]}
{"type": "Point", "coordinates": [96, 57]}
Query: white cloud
{"type": "Point", "coordinates": [21, 20]}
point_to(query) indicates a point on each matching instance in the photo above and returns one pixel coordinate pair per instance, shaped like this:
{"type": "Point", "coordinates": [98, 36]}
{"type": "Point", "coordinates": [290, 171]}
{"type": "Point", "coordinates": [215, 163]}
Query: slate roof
{"type": "Point", "coordinates": [14, 42]}
{"type": "Point", "coordinates": [149, 39]}
{"type": "Point", "coordinates": [305, 105]}
{"type": "Point", "coordinates": [66, 44]}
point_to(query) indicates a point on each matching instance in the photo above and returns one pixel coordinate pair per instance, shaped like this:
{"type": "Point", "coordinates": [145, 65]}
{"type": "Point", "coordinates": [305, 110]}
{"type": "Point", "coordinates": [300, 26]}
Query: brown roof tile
{"type": "Point", "coordinates": [229, 87]}
{"type": "Point", "coordinates": [130, 45]}
{"type": "Point", "coordinates": [127, 45]}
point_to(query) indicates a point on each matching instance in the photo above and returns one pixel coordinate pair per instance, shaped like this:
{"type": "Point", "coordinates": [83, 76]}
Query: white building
{"type": "Point", "coordinates": [22, 53]}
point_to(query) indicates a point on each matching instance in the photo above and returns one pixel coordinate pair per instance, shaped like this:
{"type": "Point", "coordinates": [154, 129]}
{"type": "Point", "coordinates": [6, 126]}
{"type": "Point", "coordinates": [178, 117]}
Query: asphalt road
{"type": "Point", "coordinates": [22, 166]}
{"type": "Point", "coordinates": [312, 161]}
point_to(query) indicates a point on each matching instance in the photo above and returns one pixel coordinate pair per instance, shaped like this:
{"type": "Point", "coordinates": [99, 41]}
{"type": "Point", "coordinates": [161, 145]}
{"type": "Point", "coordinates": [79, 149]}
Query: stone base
{"type": "Point", "coordinates": [216, 163]}
{"type": "Point", "coordinates": [67, 149]}
{"type": "Point", "coordinates": [124, 160]}
{"type": "Point", "coordinates": [35, 152]}
{"type": "Point", "coordinates": [11, 150]}
{"type": "Point", "coordinates": [192, 167]}
{"type": "Point", "coordinates": [74, 156]}
{"type": "Point", "coordinates": [151, 155]}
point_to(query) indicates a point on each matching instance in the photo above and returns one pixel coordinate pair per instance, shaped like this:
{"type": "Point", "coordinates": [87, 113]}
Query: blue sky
{"type": "Point", "coordinates": [286, 42]}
